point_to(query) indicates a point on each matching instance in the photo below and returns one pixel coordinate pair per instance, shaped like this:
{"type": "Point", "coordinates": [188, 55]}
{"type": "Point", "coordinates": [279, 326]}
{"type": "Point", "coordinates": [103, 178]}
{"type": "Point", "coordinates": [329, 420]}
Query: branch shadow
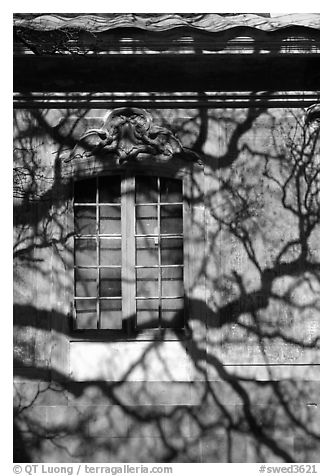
{"type": "Point", "coordinates": [223, 412]}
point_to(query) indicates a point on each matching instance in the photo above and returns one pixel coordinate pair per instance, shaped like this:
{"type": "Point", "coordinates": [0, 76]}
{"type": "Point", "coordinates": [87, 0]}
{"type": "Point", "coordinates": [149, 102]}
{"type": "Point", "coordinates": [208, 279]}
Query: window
{"type": "Point", "coordinates": [129, 253]}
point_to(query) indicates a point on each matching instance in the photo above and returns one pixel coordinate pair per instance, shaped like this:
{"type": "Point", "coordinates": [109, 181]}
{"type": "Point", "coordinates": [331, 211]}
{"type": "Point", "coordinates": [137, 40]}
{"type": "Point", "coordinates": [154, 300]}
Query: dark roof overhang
{"type": "Point", "coordinates": [165, 52]}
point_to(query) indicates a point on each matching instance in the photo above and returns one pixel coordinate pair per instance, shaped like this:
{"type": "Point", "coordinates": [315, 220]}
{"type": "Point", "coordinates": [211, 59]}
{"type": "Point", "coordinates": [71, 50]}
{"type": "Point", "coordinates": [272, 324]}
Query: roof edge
{"type": "Point", "coordinates": [209, 22]}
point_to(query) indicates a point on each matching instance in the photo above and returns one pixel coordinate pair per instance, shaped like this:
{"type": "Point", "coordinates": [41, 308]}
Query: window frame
{"type": "Point", "coordinates": [127, 172]}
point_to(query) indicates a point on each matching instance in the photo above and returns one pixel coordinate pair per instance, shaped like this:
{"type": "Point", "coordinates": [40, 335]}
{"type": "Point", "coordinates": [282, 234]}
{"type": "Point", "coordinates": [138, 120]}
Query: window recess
{"type": "Point", "coordinates": [129, 253]}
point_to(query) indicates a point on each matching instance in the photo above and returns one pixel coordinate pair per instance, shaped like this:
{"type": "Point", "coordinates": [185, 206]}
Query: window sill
{"type": "Point", "coordinates": [105, 335]}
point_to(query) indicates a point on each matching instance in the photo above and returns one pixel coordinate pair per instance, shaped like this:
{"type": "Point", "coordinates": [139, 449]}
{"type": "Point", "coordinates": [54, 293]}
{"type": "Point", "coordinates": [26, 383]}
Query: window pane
{"type": "Point", "coordinates": [146, 189]}
{"type": "Point", "coordinates": [172, 313]}
{"type": "Point", "coordinates": [171, 251]}
{"type": "Point", "coordinates": [85, 252]}
{"type": "Point", "coordinates": [171, 190]}
{"type": "Point", "coordinates": [147, 282]}
{"type": "Point", "coordinates": [85, 282]}
{"type": "Point", "coordinates": [146, 252]}
{"type": "Point", "coordinates": [110, 252]}
{"type": "Point", "coordinates": [109, 220]}
{"type": "Point", "coordinates": [171, 219]}
{"type": "Point", "coordinates": [85, 191]}
{"type": "Point", "coordinates": [111, 316]}
{"type": "Point", "coordinates": [172, 282]}
{"type": "Point", "coordinates": [147, 314]}
{"type": "Point", "coordinates": [109, 189]}
{"type": "Point", "coordinates": [86, 315]}
{"type": "Point", "coordinates": [110, 282]}
{"type": "Point", "coordinates": [85, 220]}
{"type": "Point", "coordinates": [146, 219]}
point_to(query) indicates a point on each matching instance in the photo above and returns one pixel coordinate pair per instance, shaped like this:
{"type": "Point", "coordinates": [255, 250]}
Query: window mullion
{"type": "Point", "coordinates": [72, 230]}
{"type": "Point", "coordinates": [187, 225]}
{"type": "Point", "coordinates": [98, 256]}
{"type": "Point", "coordinates": [128, 251]}
{"type": "Point", "coordinates": [159, 253]}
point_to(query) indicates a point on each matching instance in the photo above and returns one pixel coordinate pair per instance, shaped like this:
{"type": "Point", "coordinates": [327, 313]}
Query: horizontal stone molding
{"type": "Point", "coordinates": [106, 100]}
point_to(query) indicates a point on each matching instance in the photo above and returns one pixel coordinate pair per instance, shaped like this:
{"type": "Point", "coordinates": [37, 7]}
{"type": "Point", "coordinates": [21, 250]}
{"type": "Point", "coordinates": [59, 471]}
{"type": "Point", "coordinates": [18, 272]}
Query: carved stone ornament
{"type": "Point", "coordinates": [312, 115]}
{"type": "Point", "coordinates": [127, 134]}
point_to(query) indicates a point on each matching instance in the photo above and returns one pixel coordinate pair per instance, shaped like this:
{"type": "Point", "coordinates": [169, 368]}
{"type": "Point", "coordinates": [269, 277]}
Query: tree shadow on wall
{"type": "Point", "coordinates": [246, 392]}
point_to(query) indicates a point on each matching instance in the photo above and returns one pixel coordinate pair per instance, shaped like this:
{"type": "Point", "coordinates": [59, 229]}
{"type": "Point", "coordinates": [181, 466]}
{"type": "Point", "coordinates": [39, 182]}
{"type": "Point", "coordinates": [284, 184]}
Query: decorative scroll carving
{"type": "Point", "coordinates": [312, 114]}
{"type": "Point", "coordinates": [127, 134]}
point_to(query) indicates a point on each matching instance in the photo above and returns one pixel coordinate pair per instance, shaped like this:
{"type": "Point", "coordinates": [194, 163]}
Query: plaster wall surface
{"type": "Point", "coordinates": [243, 386]}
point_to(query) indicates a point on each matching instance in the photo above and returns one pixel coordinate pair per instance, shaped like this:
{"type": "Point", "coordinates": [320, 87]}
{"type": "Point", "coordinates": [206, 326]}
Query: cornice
{"type": "Point", "coordinates": [217, 99]}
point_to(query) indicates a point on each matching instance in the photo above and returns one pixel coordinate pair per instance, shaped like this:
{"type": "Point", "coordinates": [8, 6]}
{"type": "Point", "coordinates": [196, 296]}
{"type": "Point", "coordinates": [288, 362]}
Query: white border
{"type": "Point", "coordinates": [286, 6]}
